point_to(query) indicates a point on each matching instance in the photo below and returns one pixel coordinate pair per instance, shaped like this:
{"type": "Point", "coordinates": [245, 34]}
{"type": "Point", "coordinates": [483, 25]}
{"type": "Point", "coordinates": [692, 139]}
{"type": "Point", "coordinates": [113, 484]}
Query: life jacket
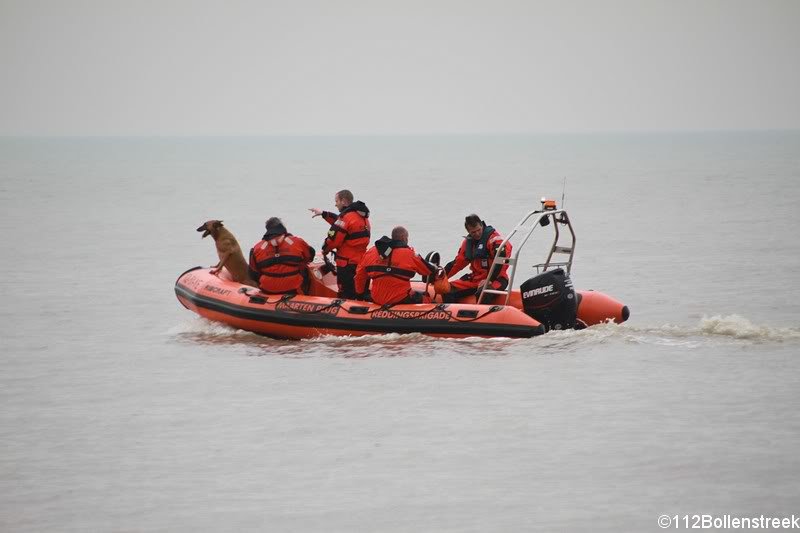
{"type": "Point", "coordinates": [479, 249]}
{"type": "Point", "coordinates": [277, 263]}
{"type": "Point", "coordinates": [390, 265]}
{"type": "Point", "coordinates": [349, 234]}
{"type": "Point", "coordinates": [479, 255]}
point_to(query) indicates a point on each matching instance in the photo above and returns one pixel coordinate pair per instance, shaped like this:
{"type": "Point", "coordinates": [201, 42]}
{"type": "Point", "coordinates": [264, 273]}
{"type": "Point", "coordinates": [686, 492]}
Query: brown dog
{"type": "Point", "coordinates": [229, 252]}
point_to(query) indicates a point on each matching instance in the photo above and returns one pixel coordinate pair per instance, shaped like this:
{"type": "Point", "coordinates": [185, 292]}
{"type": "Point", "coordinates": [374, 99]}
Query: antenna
{"type": "Point", "coordinates": [563, 192]}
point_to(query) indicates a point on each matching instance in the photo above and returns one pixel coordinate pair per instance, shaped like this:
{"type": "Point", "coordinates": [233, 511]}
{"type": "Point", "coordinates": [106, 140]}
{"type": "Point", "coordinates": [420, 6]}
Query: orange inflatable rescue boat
{"type": "Point", "coordinates": [544, 302]}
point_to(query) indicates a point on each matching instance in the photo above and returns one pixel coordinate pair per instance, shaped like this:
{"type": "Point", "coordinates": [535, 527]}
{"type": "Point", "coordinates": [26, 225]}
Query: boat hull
{"type": "Point", "coordinates": [222, 300]}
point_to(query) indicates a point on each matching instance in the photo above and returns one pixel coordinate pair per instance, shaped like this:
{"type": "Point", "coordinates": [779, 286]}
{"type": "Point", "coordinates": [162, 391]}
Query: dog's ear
{"type": "Point", "coordinates": [217, 224]}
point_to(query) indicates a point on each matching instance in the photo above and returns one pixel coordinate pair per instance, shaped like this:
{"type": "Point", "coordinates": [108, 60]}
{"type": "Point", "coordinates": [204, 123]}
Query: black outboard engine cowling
{"type": "Point", "coordinates": [550, 299]}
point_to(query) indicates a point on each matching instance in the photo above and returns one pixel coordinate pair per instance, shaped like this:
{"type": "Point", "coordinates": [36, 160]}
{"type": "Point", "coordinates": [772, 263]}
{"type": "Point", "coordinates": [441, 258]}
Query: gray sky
{"type": "Point", "coordinates": [405, 67]}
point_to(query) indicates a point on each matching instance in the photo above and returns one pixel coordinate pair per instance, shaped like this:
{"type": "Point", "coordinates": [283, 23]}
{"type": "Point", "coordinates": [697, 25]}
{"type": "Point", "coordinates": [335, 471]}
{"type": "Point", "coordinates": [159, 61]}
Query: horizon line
{"type": "Point", "coordinates": [394, 135]}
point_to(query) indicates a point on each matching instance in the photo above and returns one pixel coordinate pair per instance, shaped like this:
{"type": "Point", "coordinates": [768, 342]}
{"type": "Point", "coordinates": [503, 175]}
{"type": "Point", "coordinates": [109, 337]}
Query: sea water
{"type": "Point", "coordinates": [122, 411]}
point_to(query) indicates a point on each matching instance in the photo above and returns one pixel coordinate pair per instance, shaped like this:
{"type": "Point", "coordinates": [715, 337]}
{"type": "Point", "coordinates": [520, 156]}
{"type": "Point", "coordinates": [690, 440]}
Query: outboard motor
{"type": "Point", "coordinates": [551, 299]}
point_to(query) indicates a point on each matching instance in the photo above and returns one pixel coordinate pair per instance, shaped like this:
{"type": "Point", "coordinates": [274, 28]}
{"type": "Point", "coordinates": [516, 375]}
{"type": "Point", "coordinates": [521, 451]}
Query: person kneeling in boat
{"type": "Point", "coordinates": [390, 265]}
{"type": "Point", "coordinates": [279, 261]}
{"type": "Point", "coordinates": [478, 251]}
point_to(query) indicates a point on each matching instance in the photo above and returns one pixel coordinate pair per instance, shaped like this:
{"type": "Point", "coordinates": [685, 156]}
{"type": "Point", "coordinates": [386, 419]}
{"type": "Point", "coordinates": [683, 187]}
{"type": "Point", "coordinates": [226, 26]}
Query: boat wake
{"type": "Point", "coordinates": [740, 328]}
{"type": "Point", "coordinates": [733, 327]}
{"type": "Point", "coordinates": [713, 330]}
{"type": "Point", "coordinates": [709, 331]}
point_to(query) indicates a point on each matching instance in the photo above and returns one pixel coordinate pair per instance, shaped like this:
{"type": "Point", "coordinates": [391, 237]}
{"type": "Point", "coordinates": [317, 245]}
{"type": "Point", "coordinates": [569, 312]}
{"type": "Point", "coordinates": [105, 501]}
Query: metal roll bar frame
{"type": "Point", "coordinates": [558, 217]}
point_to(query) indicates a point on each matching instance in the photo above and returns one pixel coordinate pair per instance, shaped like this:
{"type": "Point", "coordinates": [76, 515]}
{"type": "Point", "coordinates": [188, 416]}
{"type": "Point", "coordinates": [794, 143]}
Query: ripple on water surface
{"type": "Point", "coordinates": [708, 332]}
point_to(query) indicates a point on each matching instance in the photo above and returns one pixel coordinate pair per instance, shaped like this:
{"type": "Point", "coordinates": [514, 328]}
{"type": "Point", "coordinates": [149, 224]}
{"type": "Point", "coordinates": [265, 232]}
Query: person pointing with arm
{"type": "Point", "coordinates": [348, 238]}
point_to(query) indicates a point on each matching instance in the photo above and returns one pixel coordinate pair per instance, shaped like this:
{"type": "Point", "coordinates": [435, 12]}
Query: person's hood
{"type": "Point", "coordinates": [385, 245]}
{"type": "Point", "coordinates": [359, 207]}
{"type": "Point", "coordinates": [273, 230]}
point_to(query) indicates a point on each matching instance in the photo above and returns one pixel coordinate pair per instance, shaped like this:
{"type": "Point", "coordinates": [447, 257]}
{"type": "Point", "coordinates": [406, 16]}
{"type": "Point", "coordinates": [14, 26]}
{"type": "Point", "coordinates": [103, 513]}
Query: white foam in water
{"type": "Point", "coordinates": [739, 327]}
{"type": "Point", "coordinates": [200, 325]}
{"type": "Point", "coordinates": [368, 339]}
{"type": "Point", "coordinates": [733, 327]}
{"type": "Point", "coordinates": [400, 339]}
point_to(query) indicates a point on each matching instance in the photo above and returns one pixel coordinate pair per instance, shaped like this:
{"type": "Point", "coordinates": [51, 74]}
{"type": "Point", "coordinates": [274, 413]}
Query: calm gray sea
{"type": "Point", "coordinates": [122, 411]}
